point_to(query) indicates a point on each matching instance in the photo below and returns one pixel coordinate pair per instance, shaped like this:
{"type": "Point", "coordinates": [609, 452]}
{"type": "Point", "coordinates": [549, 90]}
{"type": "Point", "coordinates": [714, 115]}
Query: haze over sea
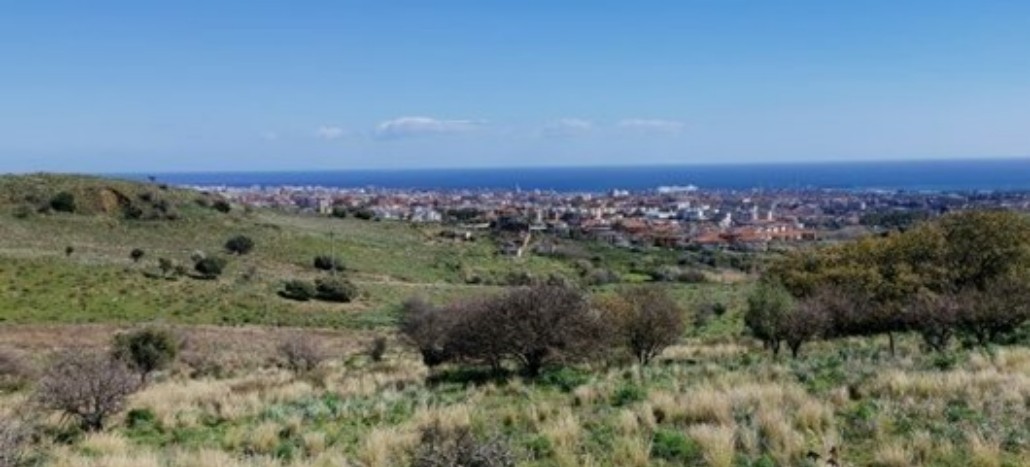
{"type": "Point", "coordinates": [950, 175]}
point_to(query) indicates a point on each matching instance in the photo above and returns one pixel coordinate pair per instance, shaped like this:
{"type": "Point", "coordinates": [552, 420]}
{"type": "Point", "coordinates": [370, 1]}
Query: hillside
{"type": "Point", "coordinates": [99, 282]}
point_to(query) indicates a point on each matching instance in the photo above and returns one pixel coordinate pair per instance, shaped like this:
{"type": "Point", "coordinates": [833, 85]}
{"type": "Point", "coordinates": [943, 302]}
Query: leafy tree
{"type": "Point", "coordinates": [146, 350]}
{"type": "Point", "coordinates": [63, 202]}
{"type": "Point", "coordinates": [239, 245]}
{"type": "Point", "coordinates": [766, 308]}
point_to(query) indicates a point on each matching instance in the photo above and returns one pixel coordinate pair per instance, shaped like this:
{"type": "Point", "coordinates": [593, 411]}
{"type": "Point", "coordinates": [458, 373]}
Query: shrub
{"type": "Point", "coordinates": [339, 212]}
{"type": "Point", "coordinates": [628, 394]}
{"type": "Point", "coordinates": [89, 386]}
{"type": "Point", "coordinates": [692, 276]}
{"type": "Point", "coordinates": [328, 263]}
{"type": "Point", "coordinates": [299, 290]}
{"type": "Point", "coordinates": [136, 254]}
{"type": "Point", "coordinates": [335, 290]}
{"type": "Point", "coordinates": [63, 202]}
{"type": "Point", "coordinates": [221, 206]}
{"type": "Point", "coordinates": [239, 245]}
{"type": "Point", "coordinates": [69, 250]}
{"type": "Point", "coordinates": [13, 372]}
{"type": "Point", "coordinates": [364, 214]}
{"type": "Point", "coordinates": [300, 353]}
{"type": "Point", "coordinates": [675, 447]}
{"type": "Point", "coordinates": [146, 350]}
{"type": "Point", "coordinates": [376, 349]}
{"type": "Point", "coordinates": [458, 447]}
{"type": "Point", "coordinates": [645, 320]}
{"type": "Point", "coordinates": [935, 317]}
{"type": "Point", "coordinates": [210, 267]}
{"type": "Point", "coordinates": [166, 266]}
{"type": "Point", "coordinates": [13, 437]}
{"type": "Point", "coordinates": [22, 211]}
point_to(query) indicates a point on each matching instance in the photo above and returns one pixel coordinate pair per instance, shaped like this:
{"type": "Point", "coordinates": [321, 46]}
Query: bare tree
{"type": "Point", "coordinates": [935, 317]}
{"type": "Point", "coordinates": [427, 328]}
{"type": "Point", "coordinates": [301, 353]}
{"type": "Point", "coordinates": [545, 323]}
{"type": "Point", "coordinates": [808, 320]}
{"type": "Point", "coordinates": [87, 385]}
{"type": "Point", "coordinates": [645, 319]}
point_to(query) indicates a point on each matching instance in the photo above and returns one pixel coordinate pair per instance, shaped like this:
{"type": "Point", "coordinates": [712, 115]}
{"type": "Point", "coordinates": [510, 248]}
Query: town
{"type": "Point", "coordinates": [683, 217]}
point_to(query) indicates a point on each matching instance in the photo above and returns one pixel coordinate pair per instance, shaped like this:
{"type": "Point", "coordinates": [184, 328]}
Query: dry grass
{"type": "Point", "coordinates": [381, 408]}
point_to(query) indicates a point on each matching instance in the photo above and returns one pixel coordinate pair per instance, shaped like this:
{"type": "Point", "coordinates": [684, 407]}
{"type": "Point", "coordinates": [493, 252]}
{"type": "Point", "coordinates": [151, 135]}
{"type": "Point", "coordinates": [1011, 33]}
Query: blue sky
{"type": "Point", "coordinates": [198, 85]}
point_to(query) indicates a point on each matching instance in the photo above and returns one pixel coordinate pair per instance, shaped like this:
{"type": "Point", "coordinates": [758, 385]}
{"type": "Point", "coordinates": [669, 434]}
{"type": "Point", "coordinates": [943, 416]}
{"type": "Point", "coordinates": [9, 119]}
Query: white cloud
{"type": "Point", "coordinates": [329, 132]}
{"type": "Point", "coordinates": [651, 125]}
{"type": "Point", "coordinates": [404, 127]}
{"type": "Point", "coordinates": [567, 128]}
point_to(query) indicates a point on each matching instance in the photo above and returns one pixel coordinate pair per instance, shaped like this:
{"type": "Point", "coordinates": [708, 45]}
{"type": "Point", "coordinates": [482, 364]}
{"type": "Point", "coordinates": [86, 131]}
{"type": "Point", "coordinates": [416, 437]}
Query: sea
{"type": "Point", "coordinates": [922, 175]}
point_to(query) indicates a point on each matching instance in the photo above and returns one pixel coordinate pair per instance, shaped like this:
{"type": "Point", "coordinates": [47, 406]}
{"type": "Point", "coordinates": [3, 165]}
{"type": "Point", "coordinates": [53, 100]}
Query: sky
{"type": "Point", "coordinates": [104, 86]}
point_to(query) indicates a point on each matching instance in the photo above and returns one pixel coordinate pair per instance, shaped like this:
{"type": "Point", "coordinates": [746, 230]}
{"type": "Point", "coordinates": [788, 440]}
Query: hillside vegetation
{"type": "Point", "coordinates": [908, 349]}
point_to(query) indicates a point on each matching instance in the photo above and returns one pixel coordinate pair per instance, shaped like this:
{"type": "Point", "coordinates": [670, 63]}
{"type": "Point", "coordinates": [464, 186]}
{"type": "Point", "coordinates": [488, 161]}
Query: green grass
{"type": "Point", "coordinates": [389, 261]}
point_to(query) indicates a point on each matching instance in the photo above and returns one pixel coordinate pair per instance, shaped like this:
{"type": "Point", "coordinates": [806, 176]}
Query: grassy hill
{"type": "Point", "coordinates": [99, 282]}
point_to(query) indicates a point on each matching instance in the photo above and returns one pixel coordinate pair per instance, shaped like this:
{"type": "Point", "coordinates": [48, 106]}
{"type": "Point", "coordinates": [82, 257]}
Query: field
{"type": "Point", "coordinates": [715, 398]}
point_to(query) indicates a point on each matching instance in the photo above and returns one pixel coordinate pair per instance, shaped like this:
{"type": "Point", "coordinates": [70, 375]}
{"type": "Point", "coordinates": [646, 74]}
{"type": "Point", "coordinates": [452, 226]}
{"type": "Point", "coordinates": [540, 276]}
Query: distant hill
{"type": "Point", "coordinates": [25, 195]}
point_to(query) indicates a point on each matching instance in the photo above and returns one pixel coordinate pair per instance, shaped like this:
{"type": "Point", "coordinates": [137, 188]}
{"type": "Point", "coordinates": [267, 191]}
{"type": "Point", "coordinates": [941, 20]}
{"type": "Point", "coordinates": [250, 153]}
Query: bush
{"type": "Point", "coordinates": [89, 386]}
{"type": "Point", "coordinates": [221, 206]}
{"type": "Point", "coordinates": [146, 350]}
{"type": "Point", "coordinates": [14, 374]}
{"type": "Point", "coordinates": [675, 447]}
{"type": "Point", "coordinates": [299, 290]}
{"type": "Point", "coordinates": [63, 202]}
{"type": "Point", "coordinates": [339, 212]}
{"type": "Point", "coordinates": [239, 245]}
{"type": "Point", "coordinates": [136, 254]}
{"type": "Point", "coordinates": [13, 438]}
{"type": "Point", "coordinates": [364, 214]}
{"type": "Point", "coordinates": [301, 354]}
{"type": "Point", "coordinates": [458, 447]}
{"type": "Point", "coordinates": [210, 267]}
{"type": "Point", "coordinates": [376, 349]}
{"type": "Point", "coordinates": [166, 266]}
{"type": "Point", "coordinates": [328, 263]}
{"type": "Point", "coordinates": [335, 290]}
{"type": "Point", "coordinates": [69, 250]}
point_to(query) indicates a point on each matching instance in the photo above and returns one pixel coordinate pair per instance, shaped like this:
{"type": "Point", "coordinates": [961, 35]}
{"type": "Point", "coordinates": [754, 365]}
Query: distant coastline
{"type": "Point", "coordinates": [923, 175]}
